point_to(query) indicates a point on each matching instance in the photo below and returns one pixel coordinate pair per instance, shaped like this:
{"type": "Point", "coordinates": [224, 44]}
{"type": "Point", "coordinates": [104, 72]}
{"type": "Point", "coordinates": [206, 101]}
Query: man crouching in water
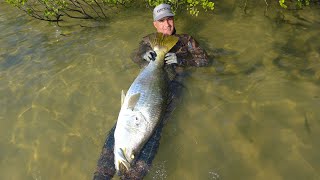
{"type": "Point", "coordinates": [186, 52]}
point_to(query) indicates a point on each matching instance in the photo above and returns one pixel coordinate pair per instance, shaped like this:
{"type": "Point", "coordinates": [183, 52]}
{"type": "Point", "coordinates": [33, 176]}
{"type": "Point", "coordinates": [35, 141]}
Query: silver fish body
{"type": "Point", "coordinates": [141, 111]}
{"type": "Point", "coordinates": [143, 105]}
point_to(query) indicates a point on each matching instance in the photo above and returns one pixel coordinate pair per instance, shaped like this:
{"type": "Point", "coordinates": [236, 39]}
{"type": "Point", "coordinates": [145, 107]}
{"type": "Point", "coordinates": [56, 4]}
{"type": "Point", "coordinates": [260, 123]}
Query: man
{"type": "Point", "coordinates": [186, 52]}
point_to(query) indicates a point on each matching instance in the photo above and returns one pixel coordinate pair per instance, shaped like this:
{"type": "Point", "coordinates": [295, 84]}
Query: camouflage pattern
{"type": "Point", "coordinates": [189, 53]}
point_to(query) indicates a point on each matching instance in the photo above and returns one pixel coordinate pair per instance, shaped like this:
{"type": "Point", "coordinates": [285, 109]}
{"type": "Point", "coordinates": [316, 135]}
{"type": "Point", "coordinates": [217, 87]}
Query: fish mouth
{"type": "Point", "coordinates": [121, 162]}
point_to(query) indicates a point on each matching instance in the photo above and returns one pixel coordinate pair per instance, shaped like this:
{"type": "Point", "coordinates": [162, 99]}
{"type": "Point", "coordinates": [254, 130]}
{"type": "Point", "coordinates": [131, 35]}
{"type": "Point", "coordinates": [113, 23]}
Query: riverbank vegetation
{"type": "Point", "coordinates": [58, 10]}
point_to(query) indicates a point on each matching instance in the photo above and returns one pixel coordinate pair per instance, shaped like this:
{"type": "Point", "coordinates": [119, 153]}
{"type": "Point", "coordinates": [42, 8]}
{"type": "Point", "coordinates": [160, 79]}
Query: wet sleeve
{"type": "Point", "coordinates": [198, 56]}
{"type": "Point", "coordinates": [137, 54]}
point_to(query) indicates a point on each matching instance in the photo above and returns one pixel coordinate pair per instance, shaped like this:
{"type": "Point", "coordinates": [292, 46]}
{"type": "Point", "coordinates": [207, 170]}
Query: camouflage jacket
{"type": "Point", "coordinates": [187, 49]}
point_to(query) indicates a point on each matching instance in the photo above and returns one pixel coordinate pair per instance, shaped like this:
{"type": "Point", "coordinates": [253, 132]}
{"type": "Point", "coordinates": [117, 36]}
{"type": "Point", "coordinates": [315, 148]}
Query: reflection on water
{"type": "Point", "coordinates": [253, 114]}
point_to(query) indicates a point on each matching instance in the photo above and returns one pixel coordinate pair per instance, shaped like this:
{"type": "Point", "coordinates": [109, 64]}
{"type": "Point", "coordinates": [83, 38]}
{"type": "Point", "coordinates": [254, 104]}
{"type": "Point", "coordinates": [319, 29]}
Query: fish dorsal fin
{"type": "Point", "coordinates": [123, 95]}
{"type": "Point", "coordinates": [133, 101]}
{"type": "Point", "coordinates": [161, 41]}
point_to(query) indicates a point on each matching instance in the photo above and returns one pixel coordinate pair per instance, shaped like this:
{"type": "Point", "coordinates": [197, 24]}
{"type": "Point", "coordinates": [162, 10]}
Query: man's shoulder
{"type": "Point", "coordinates": [183, 35]}
{"type": "Point", "coordinates": [184, 38]}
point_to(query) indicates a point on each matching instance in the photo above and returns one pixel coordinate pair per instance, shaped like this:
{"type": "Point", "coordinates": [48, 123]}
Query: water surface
{"type": "Point", "coordinates": [253, 114]}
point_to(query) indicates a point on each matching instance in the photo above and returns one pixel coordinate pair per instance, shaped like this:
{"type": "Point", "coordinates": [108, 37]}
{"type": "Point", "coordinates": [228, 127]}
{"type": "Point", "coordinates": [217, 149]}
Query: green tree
{"type": "Point", "coordinates": [58, 10]}
{"type": "Point", "coordinates": [298, 3]}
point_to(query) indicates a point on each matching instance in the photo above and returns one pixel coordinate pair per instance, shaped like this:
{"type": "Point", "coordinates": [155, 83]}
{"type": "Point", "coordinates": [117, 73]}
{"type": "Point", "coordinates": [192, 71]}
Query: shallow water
{"type": "Point", "coordinates": [251, 115]}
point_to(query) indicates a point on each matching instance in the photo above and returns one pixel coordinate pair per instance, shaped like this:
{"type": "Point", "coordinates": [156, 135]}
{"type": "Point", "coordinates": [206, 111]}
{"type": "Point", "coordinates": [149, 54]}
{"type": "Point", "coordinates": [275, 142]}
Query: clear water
{"type": "Point", "coordinates": [252, 115]}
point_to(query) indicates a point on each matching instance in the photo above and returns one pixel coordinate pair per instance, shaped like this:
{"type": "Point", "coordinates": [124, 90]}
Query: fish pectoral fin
{"type": "Point", "coordinates": [123, 95]}
{"type": "Point", "coordinates": [133, 101]}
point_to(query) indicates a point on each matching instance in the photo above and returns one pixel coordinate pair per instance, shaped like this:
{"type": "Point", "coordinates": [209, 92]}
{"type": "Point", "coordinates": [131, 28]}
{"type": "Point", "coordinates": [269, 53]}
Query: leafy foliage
{"type": "Point", "coordinates": [56, 10]}
{"type": "Point", "coordinates": [192, 6]}
{"type": "Point", "coordinates": [298, 3]}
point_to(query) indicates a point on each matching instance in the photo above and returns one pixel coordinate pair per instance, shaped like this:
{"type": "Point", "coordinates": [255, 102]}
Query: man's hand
{"type": "Point", "coordinates": [149, 55]}
{"type": "Point", "coordinates": [171, 58]}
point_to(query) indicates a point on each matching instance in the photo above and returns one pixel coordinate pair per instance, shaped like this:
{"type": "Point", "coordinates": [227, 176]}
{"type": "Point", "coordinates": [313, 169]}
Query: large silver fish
{"type": "Point", "coordinates": [143, 105]}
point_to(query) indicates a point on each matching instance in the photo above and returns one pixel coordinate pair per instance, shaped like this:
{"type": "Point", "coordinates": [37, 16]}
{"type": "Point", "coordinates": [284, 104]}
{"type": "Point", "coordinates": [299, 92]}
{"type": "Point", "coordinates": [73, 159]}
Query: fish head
{"type": "Point", "coordinates": [129, 138]}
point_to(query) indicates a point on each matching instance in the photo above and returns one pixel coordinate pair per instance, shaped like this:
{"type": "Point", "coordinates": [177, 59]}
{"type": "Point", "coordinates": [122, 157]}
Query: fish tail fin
{"type": "Point", "coordinates": [163, 42]}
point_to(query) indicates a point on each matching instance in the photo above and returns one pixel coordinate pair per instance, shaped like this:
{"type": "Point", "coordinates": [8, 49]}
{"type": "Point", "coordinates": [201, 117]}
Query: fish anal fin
{"type": "Point", "coordinates": [123, 95]}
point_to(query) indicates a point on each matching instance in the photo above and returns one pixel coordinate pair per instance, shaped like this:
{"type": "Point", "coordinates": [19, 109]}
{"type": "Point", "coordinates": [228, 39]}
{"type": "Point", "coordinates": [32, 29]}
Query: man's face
{"type": "Point", "coordinates": [165, 25]}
